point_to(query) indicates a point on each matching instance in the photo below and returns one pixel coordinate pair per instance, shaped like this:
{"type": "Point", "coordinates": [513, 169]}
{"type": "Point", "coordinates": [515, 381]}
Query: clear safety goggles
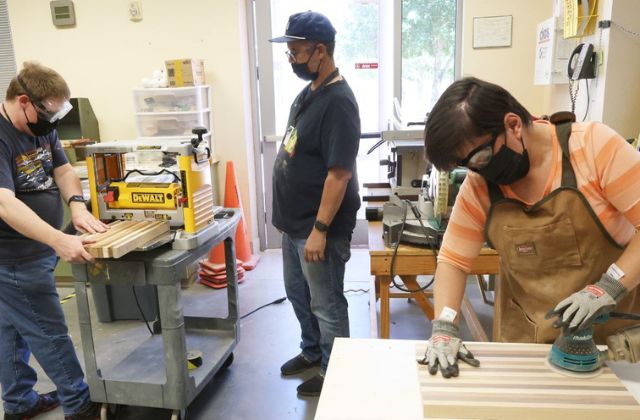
{"type": "Point", "coordinates": [48, 109]}
{"type": "Point", "coordinates": [479, 157]}
{"type": "Point", "coordinates": [51, 110]}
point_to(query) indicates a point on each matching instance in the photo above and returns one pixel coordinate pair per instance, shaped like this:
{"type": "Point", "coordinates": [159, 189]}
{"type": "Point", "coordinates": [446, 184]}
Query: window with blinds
{"type": "Point", "coordinates": [7, 56]}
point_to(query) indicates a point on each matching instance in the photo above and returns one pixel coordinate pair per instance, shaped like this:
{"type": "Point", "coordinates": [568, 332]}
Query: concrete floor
{"type": "Point", "coordinates": [252, 388]}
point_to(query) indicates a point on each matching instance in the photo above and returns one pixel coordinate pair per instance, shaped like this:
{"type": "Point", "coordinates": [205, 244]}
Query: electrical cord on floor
{"type": "Point", "coordinates": [362, 291]}
{"type": "Point", "coordinates": [279, 300]}
{"type": "Point", "coordinates": [416, 212]}
{"type": "Point", "coordinates": [144, 318]}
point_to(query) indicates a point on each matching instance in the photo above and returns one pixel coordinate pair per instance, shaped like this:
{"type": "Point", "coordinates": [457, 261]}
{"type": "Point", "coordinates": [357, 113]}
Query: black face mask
{"type": "Point", "coordinates": [506, 166]}
{"type": "Point", "coordinates": [41, 127]}
{"type": "Point", "coordinates": [302, 70]}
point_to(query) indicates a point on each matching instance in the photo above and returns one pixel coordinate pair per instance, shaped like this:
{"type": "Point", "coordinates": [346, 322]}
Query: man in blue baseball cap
{"type": "Point", "coordinates": [315, 193]}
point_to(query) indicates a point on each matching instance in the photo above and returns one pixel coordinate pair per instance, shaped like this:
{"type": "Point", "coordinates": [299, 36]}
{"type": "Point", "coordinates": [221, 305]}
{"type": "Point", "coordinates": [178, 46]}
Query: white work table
{"type": "Point", "coordinates": [373, 379]}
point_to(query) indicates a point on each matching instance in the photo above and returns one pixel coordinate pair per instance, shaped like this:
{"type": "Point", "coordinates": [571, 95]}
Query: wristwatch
{"type": "Point", "coordinates": [322, 227]}
{"type": "Point", "coordinates": [77, 198]}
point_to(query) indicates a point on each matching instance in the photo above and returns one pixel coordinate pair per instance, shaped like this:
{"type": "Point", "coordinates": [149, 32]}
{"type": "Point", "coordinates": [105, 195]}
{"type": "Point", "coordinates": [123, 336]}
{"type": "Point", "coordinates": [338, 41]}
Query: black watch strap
{"type": "Point", "coordinates": [77, 198]}
{"type": "Point", "coordinates": [322, 227]}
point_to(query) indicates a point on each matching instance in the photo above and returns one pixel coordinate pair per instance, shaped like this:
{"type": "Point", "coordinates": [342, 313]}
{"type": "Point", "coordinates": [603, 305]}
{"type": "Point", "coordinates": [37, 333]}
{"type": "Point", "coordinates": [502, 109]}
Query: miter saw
{"type": "Point", "coordinates": [425, 221]}
{"type": "Point", "coordinates": [576, 354]}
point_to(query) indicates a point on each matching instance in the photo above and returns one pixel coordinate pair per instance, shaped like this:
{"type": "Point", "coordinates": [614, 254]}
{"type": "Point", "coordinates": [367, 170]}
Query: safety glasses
{"type": "Point", "coordinates": [291, 55]}
{"type": "Point", "coordinates": [47, 109]}
{"type": "Point", "coordinates": [50, 110]}
{"type": "Point", "coordinates": [479, 157]}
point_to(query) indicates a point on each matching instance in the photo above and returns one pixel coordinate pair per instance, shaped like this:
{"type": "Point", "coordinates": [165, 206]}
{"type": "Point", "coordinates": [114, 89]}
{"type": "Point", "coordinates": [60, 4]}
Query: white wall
{"type": "Point", "coordinates": [621, 102]}
{"type": "Point", "coordinates": [106, 55]}
{"type": "Point", "coordinates": [510, 67]}
{"type": "Point", "coordinates": [559, 99]}
{"type": "Point", "coordinates": [615, 92]}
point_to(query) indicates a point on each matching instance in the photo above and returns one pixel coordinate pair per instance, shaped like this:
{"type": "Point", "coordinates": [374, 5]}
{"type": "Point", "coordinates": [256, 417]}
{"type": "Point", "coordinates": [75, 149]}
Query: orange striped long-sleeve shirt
{"type": "Point", "coordinates": [607, 171]}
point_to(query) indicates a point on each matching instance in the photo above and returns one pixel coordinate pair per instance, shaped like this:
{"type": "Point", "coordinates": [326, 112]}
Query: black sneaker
{"type": "Point", "coordinates": [311, 387]}
{"type": "Point", "coordinates": [297, 364]}
{"type": "Point", "coordinates": [90, 411]}
{"type": "Point", "coordinates": [46, 402]}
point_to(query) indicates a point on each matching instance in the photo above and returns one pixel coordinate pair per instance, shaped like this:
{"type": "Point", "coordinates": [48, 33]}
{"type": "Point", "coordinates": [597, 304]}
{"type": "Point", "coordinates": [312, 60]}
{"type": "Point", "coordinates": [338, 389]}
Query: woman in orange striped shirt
{"type": "Point", "coordinates": [558, 200]}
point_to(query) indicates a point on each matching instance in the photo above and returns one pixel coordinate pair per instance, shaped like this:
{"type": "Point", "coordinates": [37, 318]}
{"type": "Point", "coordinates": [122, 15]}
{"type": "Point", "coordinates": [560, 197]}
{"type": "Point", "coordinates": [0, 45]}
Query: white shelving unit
{"type": "Point", "coordinates": [171, 113]}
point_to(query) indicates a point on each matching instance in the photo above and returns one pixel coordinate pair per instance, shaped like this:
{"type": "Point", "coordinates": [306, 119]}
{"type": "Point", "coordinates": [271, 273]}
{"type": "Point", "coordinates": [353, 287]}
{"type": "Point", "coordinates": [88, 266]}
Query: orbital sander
{"type": "Point", "coordinates": [576, 354]}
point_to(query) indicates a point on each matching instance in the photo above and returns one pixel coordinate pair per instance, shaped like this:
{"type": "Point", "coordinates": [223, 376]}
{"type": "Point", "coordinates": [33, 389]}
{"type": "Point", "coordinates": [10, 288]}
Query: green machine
{"type": "Point", "coordinates": [80, 123]}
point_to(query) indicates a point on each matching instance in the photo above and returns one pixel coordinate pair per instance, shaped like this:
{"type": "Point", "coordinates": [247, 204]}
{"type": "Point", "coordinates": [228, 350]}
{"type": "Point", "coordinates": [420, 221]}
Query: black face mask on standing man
{"type": "Point", "coordinates": [302, 69]}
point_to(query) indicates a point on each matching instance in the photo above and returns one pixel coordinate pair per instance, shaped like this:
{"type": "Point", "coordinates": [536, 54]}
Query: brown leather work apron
{"type": "Point", "coordinates": [548, 251]}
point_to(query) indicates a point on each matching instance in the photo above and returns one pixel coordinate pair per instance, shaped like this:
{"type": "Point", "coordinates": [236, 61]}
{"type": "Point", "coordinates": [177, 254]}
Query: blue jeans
{"type": "Point", "coordinates": [31, 320]}
{"type": "Point", "coordinates": [316, 293]}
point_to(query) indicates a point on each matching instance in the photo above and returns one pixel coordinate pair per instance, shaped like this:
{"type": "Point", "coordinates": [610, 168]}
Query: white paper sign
{"type": "Point", "coordinates": [492, 31]}
{"type": "Point", "coordinates": [544, 52]}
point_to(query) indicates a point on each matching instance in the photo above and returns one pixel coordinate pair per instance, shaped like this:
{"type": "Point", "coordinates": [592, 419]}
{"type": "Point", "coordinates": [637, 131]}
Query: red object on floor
{"type": "Point", "coordinates": [216, 268]}
{"type": "Point", "coordinates": [216, 283]}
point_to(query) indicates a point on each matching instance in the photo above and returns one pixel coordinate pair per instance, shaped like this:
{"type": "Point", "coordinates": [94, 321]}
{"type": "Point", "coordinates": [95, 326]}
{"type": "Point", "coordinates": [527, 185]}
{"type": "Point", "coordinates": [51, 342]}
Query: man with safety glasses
{"type": "Point", "coordinates": [560, 202]}
{"type": "Point", "coordinates": [35, 178]}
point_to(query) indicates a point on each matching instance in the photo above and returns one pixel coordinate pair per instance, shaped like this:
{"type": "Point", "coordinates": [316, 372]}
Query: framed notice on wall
{"type": "Point", "coordinates": [492, 31]}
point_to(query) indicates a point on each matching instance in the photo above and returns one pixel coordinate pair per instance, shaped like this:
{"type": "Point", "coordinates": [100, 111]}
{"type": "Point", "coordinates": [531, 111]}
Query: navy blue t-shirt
{"type": "Point", "coordinates": [26, 168]}
{"type": "Point", "coordinates": [325, 134]}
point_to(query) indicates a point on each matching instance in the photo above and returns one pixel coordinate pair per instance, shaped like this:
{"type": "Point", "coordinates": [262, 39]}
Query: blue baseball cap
{"type": "Point", "coordinates": [308, 25]}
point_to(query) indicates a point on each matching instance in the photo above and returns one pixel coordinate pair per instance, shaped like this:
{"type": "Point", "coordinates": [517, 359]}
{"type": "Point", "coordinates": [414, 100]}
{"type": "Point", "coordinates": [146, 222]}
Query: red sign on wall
{"type": "Point", "coordinates": [364, 66]}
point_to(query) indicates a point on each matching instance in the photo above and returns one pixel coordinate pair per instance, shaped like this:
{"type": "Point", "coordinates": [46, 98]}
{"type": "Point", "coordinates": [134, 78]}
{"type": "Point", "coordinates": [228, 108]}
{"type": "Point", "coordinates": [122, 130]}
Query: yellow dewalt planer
{"type": "Point", "coordinates": [168, 182]}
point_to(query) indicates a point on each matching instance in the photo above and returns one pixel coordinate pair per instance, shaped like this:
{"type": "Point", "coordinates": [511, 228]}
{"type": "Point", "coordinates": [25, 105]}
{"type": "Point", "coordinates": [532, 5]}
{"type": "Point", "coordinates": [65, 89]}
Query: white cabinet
{"type": "Point", "coordinates": [171, 113]}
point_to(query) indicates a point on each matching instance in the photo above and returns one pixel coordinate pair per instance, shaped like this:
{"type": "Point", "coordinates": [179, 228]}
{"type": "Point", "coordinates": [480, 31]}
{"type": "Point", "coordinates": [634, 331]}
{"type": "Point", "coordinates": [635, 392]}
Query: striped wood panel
{"type": "Point", "coordinates": [124, 237]}
{"type": "Point", "coordinates": [514, 382]}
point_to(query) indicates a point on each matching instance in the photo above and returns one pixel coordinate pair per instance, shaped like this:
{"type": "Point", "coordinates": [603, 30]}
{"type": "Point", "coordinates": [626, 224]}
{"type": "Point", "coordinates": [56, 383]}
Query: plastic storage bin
{"type": "Point", "coordinates": [171, 99]}
{"type": "Point", "coordinates": [171, 124]}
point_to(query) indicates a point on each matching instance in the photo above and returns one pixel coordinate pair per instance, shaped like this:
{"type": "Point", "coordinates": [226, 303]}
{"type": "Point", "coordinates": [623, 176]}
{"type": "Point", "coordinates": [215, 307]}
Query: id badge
{"type": "Point", "coordinates": [290, 139]}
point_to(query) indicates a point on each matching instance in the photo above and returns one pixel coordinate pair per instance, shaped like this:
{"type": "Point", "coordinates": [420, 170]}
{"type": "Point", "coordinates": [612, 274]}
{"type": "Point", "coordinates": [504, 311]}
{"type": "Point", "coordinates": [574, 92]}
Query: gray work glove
{"type": "Point", "coordinates": [580, 310]}
{"type": "Point", "coordinates": [444, 348]}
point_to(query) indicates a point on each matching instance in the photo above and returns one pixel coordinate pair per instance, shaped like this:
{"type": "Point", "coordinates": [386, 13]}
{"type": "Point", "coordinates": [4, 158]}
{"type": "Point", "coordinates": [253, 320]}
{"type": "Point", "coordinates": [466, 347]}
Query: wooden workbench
{"type": "Point", "coordinates": [410, 262]}
{"type": "Point", "coordinates": [370, 379]}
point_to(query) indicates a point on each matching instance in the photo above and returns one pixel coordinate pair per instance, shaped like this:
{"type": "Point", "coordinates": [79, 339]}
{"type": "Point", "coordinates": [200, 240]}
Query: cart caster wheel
{"type": "Point", "coordinates": [109, 411]}
{"type": "Point", "coordinates": [227, 362]}
{"type": "Point", "coordinates": [179, 415]}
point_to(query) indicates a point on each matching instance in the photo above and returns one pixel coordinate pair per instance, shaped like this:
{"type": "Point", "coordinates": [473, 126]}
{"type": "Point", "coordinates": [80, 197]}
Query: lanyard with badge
{"type": "Point", "coordinates": [290, 137]}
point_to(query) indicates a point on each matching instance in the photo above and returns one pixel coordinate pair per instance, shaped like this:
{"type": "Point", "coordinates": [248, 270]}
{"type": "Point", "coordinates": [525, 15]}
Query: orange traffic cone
{"type": "Point", "coordinates": [232, 200]}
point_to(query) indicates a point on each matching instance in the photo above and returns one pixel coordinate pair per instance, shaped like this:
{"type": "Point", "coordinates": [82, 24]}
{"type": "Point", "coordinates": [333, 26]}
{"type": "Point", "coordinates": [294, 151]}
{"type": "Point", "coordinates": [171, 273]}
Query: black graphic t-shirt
{"type": "Point", "coordinates": [325, 133]}
{"type": "Point", "coordinates": [26, 168]}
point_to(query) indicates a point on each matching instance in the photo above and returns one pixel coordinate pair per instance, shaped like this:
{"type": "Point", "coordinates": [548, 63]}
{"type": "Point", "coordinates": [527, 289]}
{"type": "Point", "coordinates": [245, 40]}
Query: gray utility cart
{"type": "Point", "coordinates": [155, 374]}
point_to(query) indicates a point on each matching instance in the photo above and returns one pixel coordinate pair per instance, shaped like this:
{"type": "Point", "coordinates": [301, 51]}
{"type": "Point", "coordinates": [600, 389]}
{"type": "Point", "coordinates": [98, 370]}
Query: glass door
{"type": "Point", "coordinates": [356, 55]}
{"type": "Point", "coordinates": [386, 49]}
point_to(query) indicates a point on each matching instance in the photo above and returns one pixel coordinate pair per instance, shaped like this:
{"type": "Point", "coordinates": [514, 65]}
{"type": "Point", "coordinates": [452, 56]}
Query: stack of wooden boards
{"type": "Point", "coordinates": [514, 382]}
{"type": "Point", "coordinates": [125, 236]}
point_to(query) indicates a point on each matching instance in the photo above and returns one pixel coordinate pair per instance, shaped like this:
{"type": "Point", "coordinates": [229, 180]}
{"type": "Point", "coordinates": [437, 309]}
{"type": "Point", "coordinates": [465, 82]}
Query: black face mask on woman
{"type": "Point", "coordinates": [41, 127]}
{"type": "Point", "coordinates": [506, 166]}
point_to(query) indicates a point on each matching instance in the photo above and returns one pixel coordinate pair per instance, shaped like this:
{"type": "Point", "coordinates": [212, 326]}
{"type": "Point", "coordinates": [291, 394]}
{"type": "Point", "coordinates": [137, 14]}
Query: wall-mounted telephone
{"type": "Point", "coordinates": [582, 63]}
